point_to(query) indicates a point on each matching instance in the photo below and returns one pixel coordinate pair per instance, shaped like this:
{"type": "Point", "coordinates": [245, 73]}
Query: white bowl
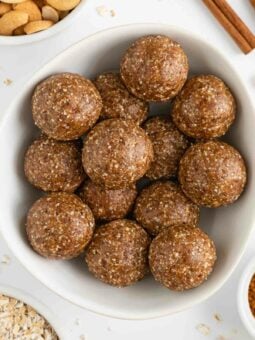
{"type": "Point", "coordinates": [59, 26]}
{"type": "Point", "coordinates": [242, 298]}
{"type": "Point", "coordinates": [42, 309]}
{"type": "Point", "coordinates": [229, 227]}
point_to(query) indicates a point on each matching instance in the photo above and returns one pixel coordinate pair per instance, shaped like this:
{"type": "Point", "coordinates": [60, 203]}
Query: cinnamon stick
{"type": "Point", "coordinates": [232, 16]}
{"type": "Point", "coordinates": [253, 3]}
{"type": "Point", "coordinates": [228, 26]}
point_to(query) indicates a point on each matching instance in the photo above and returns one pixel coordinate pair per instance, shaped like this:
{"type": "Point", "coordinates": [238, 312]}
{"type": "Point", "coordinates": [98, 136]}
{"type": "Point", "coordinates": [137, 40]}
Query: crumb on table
{"type": "Point", "coordinates": [8, 82]}
{"type": "Point", "coordinates": [203, 329]}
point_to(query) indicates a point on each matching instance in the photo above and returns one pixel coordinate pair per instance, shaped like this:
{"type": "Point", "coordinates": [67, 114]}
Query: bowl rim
{"type": "Point", "coordinates": [244, 310]}
{"type": "Point", "coordinates": [56, 28]}
{"type": "Point", "coordinates": [106, 310]}
{"type": "Point", "coordinates": [40, 307]}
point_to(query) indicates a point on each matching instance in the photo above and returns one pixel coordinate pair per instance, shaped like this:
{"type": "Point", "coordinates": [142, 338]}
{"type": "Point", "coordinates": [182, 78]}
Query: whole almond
{"type": "Point", "coordinates": [37, 26]}
{"type": "Point", "coordinates": [4, 8]}
{"type": "Point", "coordinates": [31, 9]}
{"type": "Point", "coordinates": [63, 5]}
{"type": "Point", "coordinates": [11, 20]}
{"type": "Point", "coordinates": [50, 13]}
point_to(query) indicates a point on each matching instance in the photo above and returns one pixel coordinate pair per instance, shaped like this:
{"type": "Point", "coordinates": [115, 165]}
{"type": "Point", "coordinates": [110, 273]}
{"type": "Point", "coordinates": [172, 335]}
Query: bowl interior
{"type": "Point", "coordinates": [229, 227]}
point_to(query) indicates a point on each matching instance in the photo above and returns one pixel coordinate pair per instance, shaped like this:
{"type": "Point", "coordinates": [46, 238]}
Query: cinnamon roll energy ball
{"type": "Point", "coordinates": [205, 108]}
{"type": "Point", "coordinates": [212, 174]}
{"type": "Point", "coordinates": [154, 68]}
{"type": "Point", "coordinates": [116, 153]}
{"type": "Point", "coordinates": [118, 252]}
{"type": "Point", "coordinates": [162, 205]}
{"type": "Point", "coordinates": [117, 101]}
{"type": "Point", "coordinates": [65, 106]}
{"type": "Point", "coordinates": [108, 204]}
{"type": "Point", "coordinates": [169, 145]}
{"type": "Point", "coordinates": [182, 257]}
{"type": "Point", "coordinates": [59, 226]}
{"type": "Point", "coordinates": [52, 165]}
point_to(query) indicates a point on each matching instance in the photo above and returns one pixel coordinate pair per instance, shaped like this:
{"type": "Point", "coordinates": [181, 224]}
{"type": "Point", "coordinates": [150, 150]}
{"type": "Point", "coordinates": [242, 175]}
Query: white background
{"type": "Point", "coordinates": [19, 63]}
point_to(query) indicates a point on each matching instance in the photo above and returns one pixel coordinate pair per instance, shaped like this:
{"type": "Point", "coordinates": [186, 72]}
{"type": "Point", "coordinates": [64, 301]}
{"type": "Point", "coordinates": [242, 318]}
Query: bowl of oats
{"type": "Point", "coordinates": [23, 316]}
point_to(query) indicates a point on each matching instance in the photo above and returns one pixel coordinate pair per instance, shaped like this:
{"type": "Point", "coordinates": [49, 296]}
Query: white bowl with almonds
{"type": "Point", "coordinates": [27, 21]}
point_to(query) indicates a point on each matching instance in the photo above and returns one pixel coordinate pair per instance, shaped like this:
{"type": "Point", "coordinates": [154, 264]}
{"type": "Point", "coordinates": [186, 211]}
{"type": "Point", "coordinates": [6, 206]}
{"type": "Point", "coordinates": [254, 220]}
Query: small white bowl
{"type": "Point", "coordinates": [56, 28]}
{"type": "Point", "coordinates": [42, 309]}
{"type": "Point", "coordinates": [245, 313]}
{"type": "Point", "coordinates": [229, 227]}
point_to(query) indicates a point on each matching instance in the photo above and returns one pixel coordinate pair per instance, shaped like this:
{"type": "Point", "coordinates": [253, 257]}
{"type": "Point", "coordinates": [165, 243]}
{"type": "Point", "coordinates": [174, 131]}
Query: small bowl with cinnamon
{"type": "Point", "coordinates": [246, 297]}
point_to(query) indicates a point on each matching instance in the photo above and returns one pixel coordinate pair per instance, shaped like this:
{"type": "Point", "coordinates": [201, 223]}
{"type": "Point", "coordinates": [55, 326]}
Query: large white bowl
{"type": "Point", "coordinates": [58, 27]}
{"type": "Point", "coordinates": [229, 227]}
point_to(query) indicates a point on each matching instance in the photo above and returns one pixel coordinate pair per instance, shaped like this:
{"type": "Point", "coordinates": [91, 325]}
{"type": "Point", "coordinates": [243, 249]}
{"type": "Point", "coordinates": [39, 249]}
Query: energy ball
{"type": "Point", "coordinates": [59, 226]}
{"type": "Point", "coordinates": [205, 108]}
{"type": "Point", "coordinates": [163, 205]}
{"type": "Point", "coordinates": [52, 165]}
{"type": "Point", "coordinates": [118, 252]}
{"type": "Point", "coordinates": [117, 101]}
{"type": "Point", "coordinates": [65, 106]}
{"type": "Point", "coordinates": [116, 153]}
{"type": "Point", "coordinates": [212, 174]}
{"type": "Point", "coordinates": [107, 204]}
{"type": "Point", "coordinates": [169, 145]}
{"type": "Point", "coordinates": [182, 257]}
{"type": "Point", "coordinates": [154, 68]}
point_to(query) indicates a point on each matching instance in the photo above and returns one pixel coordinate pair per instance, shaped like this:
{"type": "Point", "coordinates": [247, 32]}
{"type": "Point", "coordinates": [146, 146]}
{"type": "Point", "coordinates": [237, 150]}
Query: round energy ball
{"type": "Point", "coordinates": [182, 257]}
{"type": "Point", "coordinates": [116, 153]}
{"type": "Point", "coordinates": [52, 165]}
{"type": "Point", "coordinates": [169, 145]}
{"type": "Point", "coordinates": [154, 68]}
{"type": "Point", "coordinates": [212, 174]}
{"type": "Point", "coordinates": [65, 106]}
{"type": "Point", "coordinates": [59, 226]}
{"type": "Point", "coordinates": [117, 101]}
{"type": "Point", "coordinates": [205, 108]}
{"type": "Point", "coordinates": [118, 252]}
{"type": "Point", "coordinates": [162, 205]}
{"type": "Point", "coordinates": [107, 204]}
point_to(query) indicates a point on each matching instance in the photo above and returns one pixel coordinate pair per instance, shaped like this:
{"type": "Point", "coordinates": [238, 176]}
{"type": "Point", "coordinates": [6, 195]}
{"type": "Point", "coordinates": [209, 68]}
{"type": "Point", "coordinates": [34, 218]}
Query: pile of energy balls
{"type": "Point", "coordinates": [97, 143]}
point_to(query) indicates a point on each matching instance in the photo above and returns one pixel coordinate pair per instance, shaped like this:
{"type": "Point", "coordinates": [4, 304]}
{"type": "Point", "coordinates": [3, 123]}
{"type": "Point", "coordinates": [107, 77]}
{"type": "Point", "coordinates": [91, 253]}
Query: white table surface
{"type": "Point", "coordinates": [20, 62]}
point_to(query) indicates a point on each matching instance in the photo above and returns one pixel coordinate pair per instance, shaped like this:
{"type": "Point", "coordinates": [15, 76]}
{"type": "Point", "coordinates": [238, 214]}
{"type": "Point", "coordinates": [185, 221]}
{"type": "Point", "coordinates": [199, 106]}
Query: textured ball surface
{"type": "Point", "coordinates": [169, 145]}
{"type": "Point", "coordinates": [107, 204]}
{"type": "Point", "coordinates": [65, 106]}
{"type": "Point", "coordinates": [116, 153]}
{"type": "Point", "coordinates": [182, 257]}
{"type": "Point", "coordinates": [212, 174]}
{"type": "Point", "coordinates": [162, 205]}
{"type": "Point", "coordinates": [118, 252]}
{"type": "Point", "coordinates": [59, 226]}
{"type": "Point", "coordinates": [117, 101]}
{"type": "Point", "coordinates": [205, 108]}
{"type": "Point", "coordinates": [154, 68]}
{"type": "Point", "coordinates": [52, 165]}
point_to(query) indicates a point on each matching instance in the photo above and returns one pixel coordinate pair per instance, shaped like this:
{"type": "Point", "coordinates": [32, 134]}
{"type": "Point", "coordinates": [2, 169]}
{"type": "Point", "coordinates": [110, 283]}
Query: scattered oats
{"type": "Point", "coordinates": [113, 13]}
{"type": "Point", "coordinates": [221, 337]}
{"type": "Point", "coordinates": [103, 11]}
{"type": "Point", "coordinates": [20, 321]}
{"type": "Point", "coordinates": [217, 317]}
{"type": "Point", "coordinates": [82, 337]}
{"type": "Point", "coordinates": [6, 259]}
{"type": "Point", "coordinates": [203, 329]}
{"type": "Point", "coordinates": [8, 82]}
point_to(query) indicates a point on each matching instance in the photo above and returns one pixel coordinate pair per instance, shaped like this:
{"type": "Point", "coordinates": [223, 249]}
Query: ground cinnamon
{"type": "Point", "coordinates": [251, 295]}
